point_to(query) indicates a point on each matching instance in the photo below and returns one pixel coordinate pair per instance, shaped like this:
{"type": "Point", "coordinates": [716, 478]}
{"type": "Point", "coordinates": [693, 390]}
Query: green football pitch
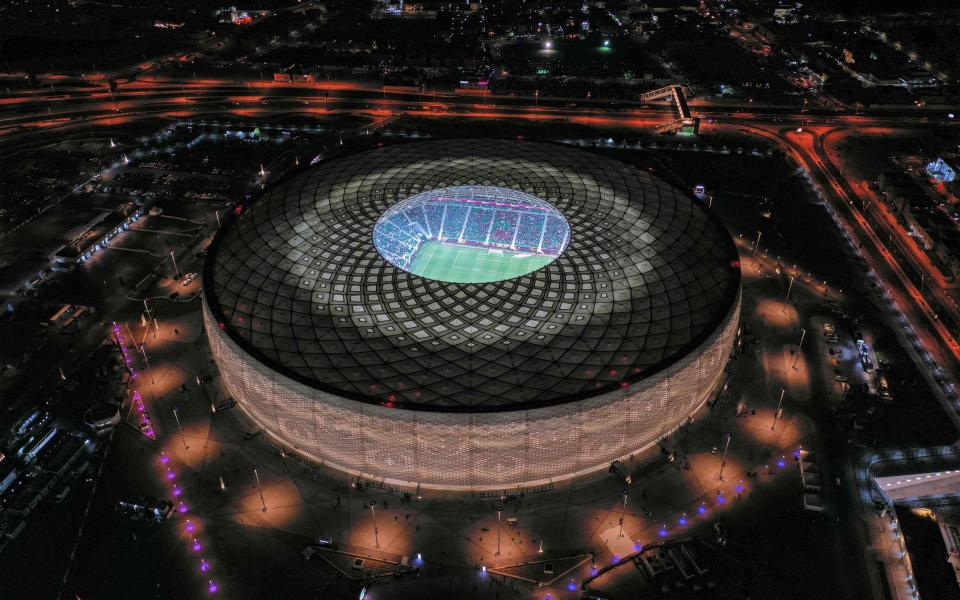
{"type": "Point", "coordinates": [465, 264]}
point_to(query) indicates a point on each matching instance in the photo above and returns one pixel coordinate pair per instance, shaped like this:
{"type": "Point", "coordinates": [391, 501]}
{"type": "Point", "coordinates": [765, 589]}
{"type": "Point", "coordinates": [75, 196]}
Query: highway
{"type": "Point", "coordinates": [66, 102]}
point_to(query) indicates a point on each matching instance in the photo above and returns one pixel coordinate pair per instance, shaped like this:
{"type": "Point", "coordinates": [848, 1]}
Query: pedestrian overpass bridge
{"type": "Point", "coordinates": [686, 122]}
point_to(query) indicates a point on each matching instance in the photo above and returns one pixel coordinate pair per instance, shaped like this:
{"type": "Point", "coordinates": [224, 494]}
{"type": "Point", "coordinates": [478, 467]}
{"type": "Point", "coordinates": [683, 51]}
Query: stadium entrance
{"type": "Point", "coordinates": [471, 234]}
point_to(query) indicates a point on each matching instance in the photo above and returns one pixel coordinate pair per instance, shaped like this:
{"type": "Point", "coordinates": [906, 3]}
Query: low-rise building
{"type": "Point", "coordinates": [873, 63]}
{"type": "Point", "coordinates": [23, 498]}
{"type": "Point", "coordinates": [941, 171]}
{"type": "Point", "coordinates": [98, 236]}
{"type": "Point", "coordinates": [58, 457]}
{"type": "Point", "coordinates": [947, 252]}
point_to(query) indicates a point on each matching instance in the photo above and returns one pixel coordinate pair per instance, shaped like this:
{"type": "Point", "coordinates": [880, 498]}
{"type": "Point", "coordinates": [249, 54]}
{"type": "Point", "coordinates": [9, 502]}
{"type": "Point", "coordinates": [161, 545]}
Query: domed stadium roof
{"type": "Point", "coordinates": [644, 275]}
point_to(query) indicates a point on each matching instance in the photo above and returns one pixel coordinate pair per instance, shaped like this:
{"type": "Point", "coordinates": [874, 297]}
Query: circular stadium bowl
{"type": "Point", "coordinates": [472, 314]}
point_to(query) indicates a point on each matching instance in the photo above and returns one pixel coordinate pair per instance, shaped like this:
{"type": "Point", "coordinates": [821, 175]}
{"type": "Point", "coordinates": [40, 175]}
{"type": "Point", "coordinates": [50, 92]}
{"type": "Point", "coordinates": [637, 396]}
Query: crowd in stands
{"type": "Point", "coordinates": [522, 229]}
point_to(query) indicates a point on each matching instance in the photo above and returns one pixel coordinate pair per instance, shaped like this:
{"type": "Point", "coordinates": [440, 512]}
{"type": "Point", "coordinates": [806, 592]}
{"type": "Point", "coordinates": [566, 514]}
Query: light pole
{"type": "Point", "coordinates": [623, 513]}
{"type": "Point", "coordinates": [588, 108]}
{"type": "Point", "coordinates": [256, 473]}
{"type": "Point", "coordinates": [536, 98]}
{"type": "Point", "coordinates": [776, 415]}
{"type": "Point", "coordinates": [176, 270]}
{"type": "Point", "coordinates": [182, 437]}
{"type": "Point", "coordinates": [787, 298]}
{"type": "Point", "coordinates": [499, 510]}
{"type": "Point", "coordinates": [756, 244]}
{"type": "Point", "coordinates": [373, 512]}
{"type": "Point", "coordinates": [803, 334]}
{"type": "Point", "coordinates": [723, 457]}
{"type": "Point", "coordinates": [142, 348]}
{"type": "Point", "coordinates": [146, 359]}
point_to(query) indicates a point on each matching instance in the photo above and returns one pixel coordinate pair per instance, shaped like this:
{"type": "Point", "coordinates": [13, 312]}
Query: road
{"type": "Point", "coordinates": [806, 147]}
{"type": "Point", "coordinates": [69, 103]}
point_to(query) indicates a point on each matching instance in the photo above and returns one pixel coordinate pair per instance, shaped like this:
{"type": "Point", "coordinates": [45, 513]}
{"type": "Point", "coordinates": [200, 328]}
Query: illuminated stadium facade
{"type": "Point", "coordinates": [572, 311]}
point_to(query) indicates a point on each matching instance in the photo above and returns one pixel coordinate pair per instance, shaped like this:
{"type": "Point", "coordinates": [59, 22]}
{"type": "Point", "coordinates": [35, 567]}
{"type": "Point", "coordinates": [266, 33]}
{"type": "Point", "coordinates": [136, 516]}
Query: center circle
{"type": "Point", "coordinates": [471, 234]}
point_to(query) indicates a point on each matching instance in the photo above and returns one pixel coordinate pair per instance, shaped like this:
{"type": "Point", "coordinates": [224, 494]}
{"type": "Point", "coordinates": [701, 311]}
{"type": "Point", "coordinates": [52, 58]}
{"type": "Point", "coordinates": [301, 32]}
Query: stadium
{"type": "Point", "coordinates": [472, 314]}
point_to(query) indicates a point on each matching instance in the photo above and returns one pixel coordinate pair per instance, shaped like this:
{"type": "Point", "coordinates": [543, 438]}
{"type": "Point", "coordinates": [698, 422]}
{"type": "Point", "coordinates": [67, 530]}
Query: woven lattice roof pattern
{"type": "Point", "coordinates": [648, 274]}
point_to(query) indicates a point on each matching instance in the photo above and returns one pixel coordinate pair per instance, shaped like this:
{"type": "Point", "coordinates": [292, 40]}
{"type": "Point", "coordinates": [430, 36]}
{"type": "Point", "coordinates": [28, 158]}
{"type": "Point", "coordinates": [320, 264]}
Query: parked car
{"type": "Point", "coordinates": [138, 508]}
{"type": "Point", "coordinates": [323, 543]}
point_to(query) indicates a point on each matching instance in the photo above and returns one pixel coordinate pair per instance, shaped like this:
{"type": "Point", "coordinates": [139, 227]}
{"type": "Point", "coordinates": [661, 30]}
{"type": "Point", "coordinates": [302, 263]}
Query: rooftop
{"type": "Point", "coordinates": [647, 276]}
